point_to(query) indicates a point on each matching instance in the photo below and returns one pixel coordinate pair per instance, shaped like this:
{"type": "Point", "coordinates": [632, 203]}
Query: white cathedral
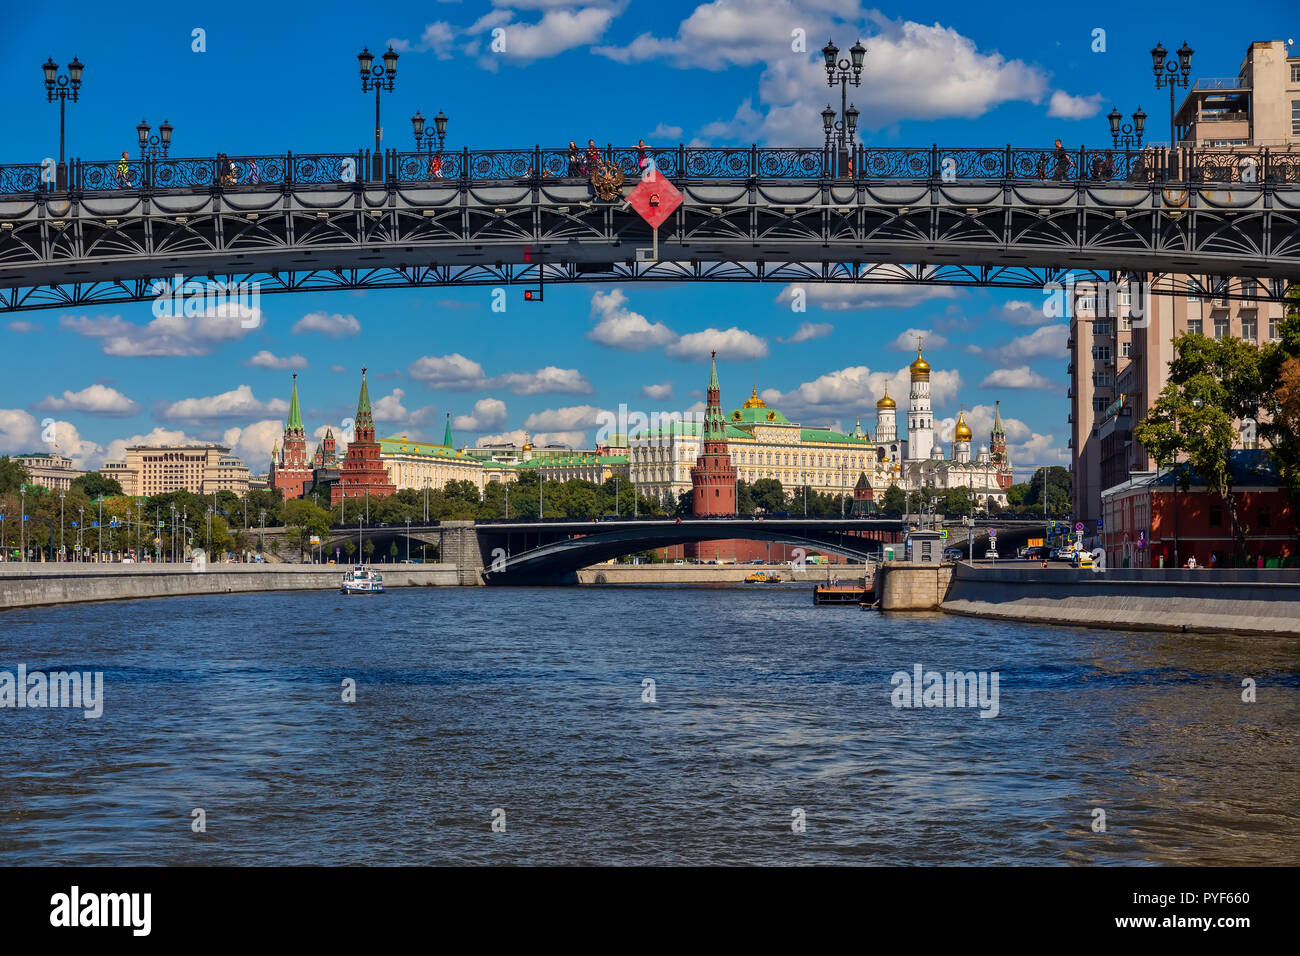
{"type": "Point", "coordinates": [918, 461]}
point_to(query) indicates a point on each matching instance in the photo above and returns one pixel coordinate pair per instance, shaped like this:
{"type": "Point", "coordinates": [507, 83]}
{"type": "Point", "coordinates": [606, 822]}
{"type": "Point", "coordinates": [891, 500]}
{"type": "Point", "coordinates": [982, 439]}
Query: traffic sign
{"type": "Point", "coordinates": [1079, 526]}
{"type": "Point", "coordinates": [655, 199]}
{"type": "Point", "coordinates": [993, 532]}
{"type": "Point", "coordinates": [943, 534]}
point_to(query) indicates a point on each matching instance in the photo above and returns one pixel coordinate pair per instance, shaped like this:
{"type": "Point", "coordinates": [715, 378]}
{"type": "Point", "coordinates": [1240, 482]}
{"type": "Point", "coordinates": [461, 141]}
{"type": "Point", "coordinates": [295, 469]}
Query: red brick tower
{"type": "Point", "coordinates": [363, 470]}
{"type": "Point", "coordinates": [290, 469]}
{"type": "Point", "coordinates": [713, 479]}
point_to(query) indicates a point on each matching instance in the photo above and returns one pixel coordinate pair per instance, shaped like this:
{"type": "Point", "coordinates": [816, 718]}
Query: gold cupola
{"type": "Point", "coordinates": [886, 401]}
{"type": "Point", "coordinates": [754, 401]}
{"type": "Point", "coordinates": [920, 368]}
{"type": "Point", "coordinates": [962, 432]}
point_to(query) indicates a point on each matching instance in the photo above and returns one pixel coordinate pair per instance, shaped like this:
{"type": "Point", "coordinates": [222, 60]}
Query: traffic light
{"type": "Point", "coordinates": [532, 295]}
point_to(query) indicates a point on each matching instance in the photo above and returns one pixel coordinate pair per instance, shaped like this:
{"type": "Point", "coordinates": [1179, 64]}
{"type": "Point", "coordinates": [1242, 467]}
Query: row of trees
{"type": "Point", "coordinates": [1213, 385]}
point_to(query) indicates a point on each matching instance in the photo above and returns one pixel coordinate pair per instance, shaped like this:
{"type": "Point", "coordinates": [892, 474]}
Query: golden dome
{"type": "Point", "coordinates": [920, 368]}
{"type": "Point", "coordinates": [754, 401]}
{"type": "Point", "coordinates": [886, 401]}
{"type": "Point", "coordinates": [962, 432]}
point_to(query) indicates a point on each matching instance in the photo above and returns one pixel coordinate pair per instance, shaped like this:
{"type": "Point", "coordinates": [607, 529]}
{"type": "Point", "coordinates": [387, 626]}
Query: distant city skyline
{"type": "Point", "coordinates": [107, 378]}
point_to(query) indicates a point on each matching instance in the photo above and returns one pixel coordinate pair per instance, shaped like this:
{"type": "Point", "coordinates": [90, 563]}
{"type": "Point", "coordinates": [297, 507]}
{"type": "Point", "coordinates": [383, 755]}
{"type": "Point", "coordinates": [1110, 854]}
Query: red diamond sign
{"type": "Point", "coordinates": [654, 199]}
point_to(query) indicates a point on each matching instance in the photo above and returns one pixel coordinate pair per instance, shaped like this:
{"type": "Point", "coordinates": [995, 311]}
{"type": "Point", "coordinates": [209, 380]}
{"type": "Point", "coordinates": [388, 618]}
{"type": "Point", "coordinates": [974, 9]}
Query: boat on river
{"type": "Point", "coordinates": [362, 580]}
{"type": "Point", "coordinates": [763, 577]}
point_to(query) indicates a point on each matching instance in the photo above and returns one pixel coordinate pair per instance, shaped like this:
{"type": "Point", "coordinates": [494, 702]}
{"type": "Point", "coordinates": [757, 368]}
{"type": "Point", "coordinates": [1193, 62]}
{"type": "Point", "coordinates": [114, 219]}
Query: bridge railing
{"type": "Point", "coordinates": [865, 164]}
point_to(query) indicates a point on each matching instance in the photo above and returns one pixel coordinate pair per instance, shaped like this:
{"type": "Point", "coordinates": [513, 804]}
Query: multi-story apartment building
{"type": "Point", "coordinates": [53, 471]}
{"type": "Point", "coordinates": [1120, 349]}
{"type": "Point", "coordinates": [200, 469]}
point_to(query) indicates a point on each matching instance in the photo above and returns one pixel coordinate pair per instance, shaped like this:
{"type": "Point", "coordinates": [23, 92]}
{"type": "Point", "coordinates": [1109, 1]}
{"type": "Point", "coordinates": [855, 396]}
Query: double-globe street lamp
{"type": "Point", "coordinates": [1128, 135]}
{"type": "Point", "coordinates": [378, 78]}
{"type": "Point", "coordinates": [62, 85]}
{"type": "Point", "coordinates": [154, 147]}
{"type": "Point", "coordinates": [1172, 74]}
{"type": "Point", "coordinates": [425, 140]}
{"type": "Point", "coordinates": [844, 72]}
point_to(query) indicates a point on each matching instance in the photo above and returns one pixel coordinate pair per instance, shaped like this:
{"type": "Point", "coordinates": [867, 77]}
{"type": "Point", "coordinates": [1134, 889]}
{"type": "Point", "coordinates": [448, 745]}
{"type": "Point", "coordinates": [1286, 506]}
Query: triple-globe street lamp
{"type": "Point", "coordinates": [62, 85]}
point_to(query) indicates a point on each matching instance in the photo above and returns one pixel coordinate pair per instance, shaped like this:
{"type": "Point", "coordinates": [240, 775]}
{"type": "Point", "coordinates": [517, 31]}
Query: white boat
{"type": "Point", "coordinates": [361, 580]}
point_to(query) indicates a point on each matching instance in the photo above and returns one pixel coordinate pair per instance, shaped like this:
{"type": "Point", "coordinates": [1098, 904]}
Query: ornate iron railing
{"type": "Point", "coordinates": [865, 164]}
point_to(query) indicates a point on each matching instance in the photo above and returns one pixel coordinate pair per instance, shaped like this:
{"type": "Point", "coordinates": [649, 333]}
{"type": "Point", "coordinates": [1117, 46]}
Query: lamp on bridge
{"type": "Point", "coordinates": [62, 86]}
{"type": "Point", "coordinates": [439, 131]}
{"type": "Point", "coordinates": [151, 147]}
{"type": "Point", "coordinates": [378, 78]}
{"type": "Point", "coordinates": [1172, 74]}
{"type": "Point", "coordinates": [1130, 136]}
{"type": "Point", "coordinates": [844, 72]}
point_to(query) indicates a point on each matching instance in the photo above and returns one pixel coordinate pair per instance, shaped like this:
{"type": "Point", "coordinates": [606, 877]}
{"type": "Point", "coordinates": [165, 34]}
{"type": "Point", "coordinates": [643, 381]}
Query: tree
{"type": "Point", "coordinates": [1017, 495]}
{"type": "Point", "coordinates": [1281, 430]}
{"type": "Point", "coordinates": [369, 549]}
{"type": "Point", "coordinates": [1193, 418]}
{"type": "Point", "coordinates": [685, 505]}
{"type": "Point", "coordinates": [92, 484]}
{"type": "Point", "coordinates": [769, 496]}
{"type": "Point", "coordinates": [12, 475]}
{"type": "Point", "coordinates": [893, 502]}
{"type": "Point", "coordinates": [744, 497]}
{"type": "Point", "coordinates": [350, 547]}
{"type": "Point", "coordinates": [304, 518]}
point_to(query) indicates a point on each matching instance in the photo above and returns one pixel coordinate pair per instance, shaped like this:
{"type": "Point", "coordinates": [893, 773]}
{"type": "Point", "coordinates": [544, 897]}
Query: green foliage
{"type": "Point", "coordinates": [893, 502]}
{"type": "Point", "coordinates": [90, 485]}
{"type": "Point", "coordinates": [12, 475]}
{"type": "Point", "coordinates": [768, 496]}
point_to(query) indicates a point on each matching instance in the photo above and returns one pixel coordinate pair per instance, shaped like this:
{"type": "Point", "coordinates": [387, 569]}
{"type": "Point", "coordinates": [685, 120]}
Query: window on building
{"type": "Point", "coordinates": [1221, 328]}
{"type": "Point", "coordinates": [1103, 328]}
{"type": "Point", "coordinates": [1248, 288]}
{"type": "Point", "coordinates": [1194, 326]}
{"type": "Point", "coordinates": [1295, 72]}
{"type": "Point", "coordinates": [1100, 404]}
{"type": "Point", "coordinates": [1216, 516]}
{"type": "Point", "coordinates": [1126, 349]}
{"type": "Point", "coordinates": [1126, 324]}
{"type": "Point", "coordinates": [1086, 303]}
{"type": "Point", "coordinates": [1295, 117]}
{"type": "Point", "coordinates": [1272, 330]}
{"type": "Point", "coordinates": [1265, 519]}
{"type": "Point", "coordinates": [1101, 379]}
{"type": "Point", "coordinates": [1249, 329]}
{"type": "Point", "coordinates": [1101, 353]}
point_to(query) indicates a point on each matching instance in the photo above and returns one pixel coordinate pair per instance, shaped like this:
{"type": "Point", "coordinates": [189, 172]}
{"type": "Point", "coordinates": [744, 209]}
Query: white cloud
{"type": "Point", "coordinates": [548, 380]}
{"type": "Point", "coordinates": [1018, 312]}
{"type": "Point", "coordinates": [569, 439]}
{"type": "Point", "coordinates": [808, 331]}
{"type": "Point", "coordinates": [389, 408]}
{"type": "Point", "coordinates": [18, 431]}
{"type": "Point", "coordinates": [338, 369]}
{"type": "Point", "coordinates": [265, 359]}
{"type": "Point", "coordinates": [453, 371]}
{"type": "Point", "coordinates": [571, 418]}
{"type": "Point", "coordinates": [252, 443]}
{"type": "Point", "coordinates": [1064, 106]}
{"type": "Point", "coordinates": [237, 403]}
{"type": "Point", "coordinates": [906, 340]}
{"type": "Point", "coordinates": [516, 437]}
{"type": "Point", "coordinates": [558, 30]}
{"type": "Point", "coordinates": [663, 133]}
{"type": "Point", "coordinates": [658, 392]}
{"type": "Point", "coordinates": [334, 325]}
{"type": "Point", "coordinates": [1047, 341]}
{"type": "Point", "coordinates": [620, 328]}
{"type": "Point", "coordinates": [1018, 378]}
{"type": "Point", "coordinates": [24, 328]}
{"type": "Point", "coordinates": [488, 413]}
{"type": "Point", "coordinates": [166, 335]}
{"type": "Point", "coordinates": [92, 400]}
{"type": "Point", "coordinates": [730, 344]}
{"type": "Point", "coordinates": [843, 297]}
{"type": "Point", "coordinates": [853, 391]}
{"type": "Point", "coordinates": [116, 449]}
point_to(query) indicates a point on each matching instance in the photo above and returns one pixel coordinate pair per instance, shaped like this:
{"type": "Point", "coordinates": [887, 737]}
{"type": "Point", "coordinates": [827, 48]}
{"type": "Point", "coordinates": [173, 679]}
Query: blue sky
{"type": "Point", "coordinates": [275, 77]}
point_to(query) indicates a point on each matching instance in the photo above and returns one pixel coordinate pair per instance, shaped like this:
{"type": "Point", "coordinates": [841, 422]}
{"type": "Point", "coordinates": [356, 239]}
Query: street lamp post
{"type": "Point", "coordinates": [1172, 74]}
{"type": "Point", "coordinates": [378, 78]}
{"type": "Point", "coordinates": [439, 133]}
{"type": "Point", "coordinates": [22, 521]}
{"type": "Point", "coordinates": [844, 72]}
{"type": "Point", "coordinates": [154, 147]}
{"type": "Point", "coordinates": [62, 86]}
{"type": "Point", "coordinates": [1128, 135]}
{"type": "Point", "coordinates": [61, 494]}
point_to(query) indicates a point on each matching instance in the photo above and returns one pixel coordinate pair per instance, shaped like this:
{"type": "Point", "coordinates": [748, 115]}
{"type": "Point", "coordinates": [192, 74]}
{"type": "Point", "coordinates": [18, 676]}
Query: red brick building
{"type": "Point", "coordinates": [1144, 520]}
{"type": "Point", "coordinates": [362, 472]}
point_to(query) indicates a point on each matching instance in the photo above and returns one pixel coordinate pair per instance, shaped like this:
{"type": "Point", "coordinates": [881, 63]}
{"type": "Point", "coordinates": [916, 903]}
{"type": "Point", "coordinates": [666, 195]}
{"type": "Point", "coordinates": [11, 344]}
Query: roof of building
{"type": "Point", "coordinates": [572, 461]}
{"type": "Point", "coordinates": [401, 445]}
{"type": "Point", "coordinates": [684, 428]}
{"type": "Point", "coordinates": [758, 414]}
{"type": "Point", "coordinates": [827, 435]}
{"type": "Point", "coordinates": [295, 413]}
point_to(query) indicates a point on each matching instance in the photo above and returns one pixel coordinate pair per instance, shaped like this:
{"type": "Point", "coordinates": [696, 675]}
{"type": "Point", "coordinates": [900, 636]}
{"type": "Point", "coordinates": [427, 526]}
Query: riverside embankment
{"type": "Point", "coordinates": [1234, 601]}
{"type": "Point", "coordinates": [36, 584]}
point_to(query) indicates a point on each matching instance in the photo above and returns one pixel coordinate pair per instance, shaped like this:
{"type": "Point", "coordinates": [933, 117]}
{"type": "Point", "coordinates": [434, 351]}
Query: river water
{"type": "Point", "coordinates": [768, 714]}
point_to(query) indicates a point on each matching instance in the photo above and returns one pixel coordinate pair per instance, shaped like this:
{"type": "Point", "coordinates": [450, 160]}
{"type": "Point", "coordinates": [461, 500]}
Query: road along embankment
{"type": "Point", "coordinates": [646, 574]}
{"type": "Point", "coordinates": [35, 584]}
{"type": "Point", "coordinates": [1232, 601]}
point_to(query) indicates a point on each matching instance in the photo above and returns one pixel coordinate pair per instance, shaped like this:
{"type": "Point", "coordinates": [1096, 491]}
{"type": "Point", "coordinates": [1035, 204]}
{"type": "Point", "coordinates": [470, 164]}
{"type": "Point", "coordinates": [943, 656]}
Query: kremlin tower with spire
{"type": "Point", "coordinates": [290, 468]}
{"type": "Point", "coordinates": [713, 479]}
{"type": "Point", "coordinates": [362, 472]}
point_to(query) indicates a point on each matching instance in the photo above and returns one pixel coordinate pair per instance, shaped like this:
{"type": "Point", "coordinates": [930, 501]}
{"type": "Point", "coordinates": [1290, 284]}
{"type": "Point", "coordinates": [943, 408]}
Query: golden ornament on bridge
{"type": "Point", "coordinates": [606, 181]}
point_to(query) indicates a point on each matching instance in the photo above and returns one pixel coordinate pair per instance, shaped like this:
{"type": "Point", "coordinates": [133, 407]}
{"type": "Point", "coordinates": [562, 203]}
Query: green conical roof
{"type": "Point", "coordinates": [295, 414]}
{"type": "Point", "coordinates": [365, 418]}
{"type": "Point", "coordinates": [446, 435]}
{"type": "Point", "coordinates": [998, 427]}
{"type": "Point", "coordinates": [713, 372]}
{"type": "Point", "coordinates": [715, 428]}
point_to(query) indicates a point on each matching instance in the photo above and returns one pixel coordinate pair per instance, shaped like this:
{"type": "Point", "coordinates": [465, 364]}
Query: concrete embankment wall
{"type": "Point", "coordinates": [31, 585]}
{"type": "Point", "coordinates": [1237, 601]}
{"type": "Point", "coordinates": [707, 573]}
{"type": "Point", "coordinates": [902, 586]}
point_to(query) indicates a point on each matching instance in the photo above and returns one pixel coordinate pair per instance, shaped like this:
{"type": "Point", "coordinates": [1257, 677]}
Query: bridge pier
{"type": "Point", "coordinates": [458, 544]}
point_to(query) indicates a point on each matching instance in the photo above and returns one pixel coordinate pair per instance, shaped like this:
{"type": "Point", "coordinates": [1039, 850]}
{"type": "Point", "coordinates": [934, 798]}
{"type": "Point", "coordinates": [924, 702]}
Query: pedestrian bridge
{"type": "Point", "coordinates": [1180, 220]}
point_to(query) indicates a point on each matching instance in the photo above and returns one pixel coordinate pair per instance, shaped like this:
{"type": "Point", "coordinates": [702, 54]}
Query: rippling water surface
{"type": "Point", "coordinates": [470, 700]}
